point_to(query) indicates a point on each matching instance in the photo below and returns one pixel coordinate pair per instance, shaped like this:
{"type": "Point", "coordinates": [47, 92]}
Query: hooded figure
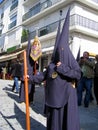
{"type": "Point", "coordinates": [61, 96]}
{"type": "Point", "coordinates": [31, 87]}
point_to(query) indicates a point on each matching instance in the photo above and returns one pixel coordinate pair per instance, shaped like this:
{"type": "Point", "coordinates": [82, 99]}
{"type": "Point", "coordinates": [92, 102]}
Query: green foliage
{"type": "Point", "coordinates": [24, 36]}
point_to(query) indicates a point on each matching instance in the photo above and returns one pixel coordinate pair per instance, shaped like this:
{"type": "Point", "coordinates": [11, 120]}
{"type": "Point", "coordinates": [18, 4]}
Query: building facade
{"type": "Point", "coordinates": [18, 17]}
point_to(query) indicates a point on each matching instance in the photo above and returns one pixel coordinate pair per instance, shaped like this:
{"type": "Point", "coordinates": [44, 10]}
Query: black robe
{"type": "Point", "coordinates": [31, 87]}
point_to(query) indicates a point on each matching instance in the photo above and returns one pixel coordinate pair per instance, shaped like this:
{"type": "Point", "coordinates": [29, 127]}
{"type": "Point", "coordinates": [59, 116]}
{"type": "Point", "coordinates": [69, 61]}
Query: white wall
{"type": "Point", "coordinates": [89, 46]}
{"type": "Point", "coordinates": [83, 11]}
{"type": "Point", "coordinates": [85, 45]}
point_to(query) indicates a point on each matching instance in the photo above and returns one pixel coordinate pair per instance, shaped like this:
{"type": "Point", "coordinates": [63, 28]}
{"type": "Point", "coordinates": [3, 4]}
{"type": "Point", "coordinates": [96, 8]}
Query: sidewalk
{"type": "Point", "coordinates": [13, 117]}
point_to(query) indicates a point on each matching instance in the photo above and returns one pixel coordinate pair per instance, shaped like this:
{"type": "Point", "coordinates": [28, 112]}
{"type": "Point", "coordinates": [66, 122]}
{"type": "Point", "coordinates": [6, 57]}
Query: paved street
{"type": "Point", "coordinates": [13, 117]}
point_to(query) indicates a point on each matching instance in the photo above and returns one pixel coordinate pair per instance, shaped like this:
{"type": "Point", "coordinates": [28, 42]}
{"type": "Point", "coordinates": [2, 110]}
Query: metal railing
{"type": "Point", "coordinates": [74, 20]}
{"type": "Point", "coordinates": [83, 21]}
{"type": "Point", "coordinates": [43, 31]}
{"type": "Point", "coordinates": [36, 9]}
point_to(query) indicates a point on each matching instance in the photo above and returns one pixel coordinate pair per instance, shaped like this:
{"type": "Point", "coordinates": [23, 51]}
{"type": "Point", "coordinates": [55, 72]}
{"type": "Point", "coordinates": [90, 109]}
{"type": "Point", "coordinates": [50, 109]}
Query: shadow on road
{"type": "Point", "coordinates": [20, 116]}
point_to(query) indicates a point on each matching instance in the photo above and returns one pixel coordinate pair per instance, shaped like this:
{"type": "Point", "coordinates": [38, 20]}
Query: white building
{"type": "Point", "coordinates": [42, 16]}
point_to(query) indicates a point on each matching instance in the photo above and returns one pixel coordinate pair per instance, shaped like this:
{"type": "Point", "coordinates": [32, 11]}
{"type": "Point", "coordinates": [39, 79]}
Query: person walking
{"type": "Point", "coordinates": [16, 72]}
{"type": "Point", "coordinates": [96, 79]}
{"type": "Point", "coordinates": [87, 68]}
{"type": "Point", "coordinates": [4, 71]}
{"type": "Point", "coordinates": [60, 76]}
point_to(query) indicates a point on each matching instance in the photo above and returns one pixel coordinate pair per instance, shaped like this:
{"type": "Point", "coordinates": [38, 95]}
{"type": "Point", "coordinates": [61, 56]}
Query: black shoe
{"type": "Point", "coordinates": [12, 90]}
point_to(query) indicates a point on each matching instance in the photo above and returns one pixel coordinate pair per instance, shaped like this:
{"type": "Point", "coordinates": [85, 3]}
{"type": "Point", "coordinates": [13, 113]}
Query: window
{"type": "Point", "coordinates": [2, 15]}
{"type": "Point", "coordinates": [43, 31]}
{"type": "Point", "coordinates": [13, 21]}
{"type": "Point", "coordinates": [13, 18]}
{"type": "Point", "coordinates": [13, 1]}
{"type": "Point", "coordinates": [0, 32]}
{"type": "Point", "coordinates": [14, 4]}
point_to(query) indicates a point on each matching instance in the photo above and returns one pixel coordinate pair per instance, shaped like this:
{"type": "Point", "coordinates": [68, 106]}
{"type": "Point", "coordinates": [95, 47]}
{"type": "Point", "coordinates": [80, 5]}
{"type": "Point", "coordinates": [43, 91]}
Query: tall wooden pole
{"type": "Point", "coordinates": [26, 92]}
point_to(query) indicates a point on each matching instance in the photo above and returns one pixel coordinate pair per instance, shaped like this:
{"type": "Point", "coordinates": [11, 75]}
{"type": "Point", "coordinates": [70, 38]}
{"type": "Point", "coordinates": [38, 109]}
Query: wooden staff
{"type": "Point", "coordinates": [26, 93]}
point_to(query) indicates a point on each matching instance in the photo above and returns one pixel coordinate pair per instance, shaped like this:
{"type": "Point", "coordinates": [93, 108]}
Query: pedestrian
{"type": "Point", "coordinates": [96, 79]}
{"type": "Point", "coordinates": [60, 76]}
{"type": "Point", "coordinates": [16, 75]}
{"type": "Point", "coordinates": [87, 68]}
{"type": "Point", "coordinates": [4, 71]}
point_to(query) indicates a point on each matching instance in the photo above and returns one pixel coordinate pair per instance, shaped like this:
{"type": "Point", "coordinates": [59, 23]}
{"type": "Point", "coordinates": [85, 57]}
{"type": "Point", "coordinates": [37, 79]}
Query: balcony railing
{"type": "Point", "coordinates": [43, 31]}
{"type": "Point", "coordinates": [74, 20]}
{"type": "Point", "coordinates": [48, 29]}
{"type": "Point", "coordinates": [36, 9]}
{"type": "Point", "coordinates": [83, 21]}
{"type": "Point", "coordinates": [11, 25]}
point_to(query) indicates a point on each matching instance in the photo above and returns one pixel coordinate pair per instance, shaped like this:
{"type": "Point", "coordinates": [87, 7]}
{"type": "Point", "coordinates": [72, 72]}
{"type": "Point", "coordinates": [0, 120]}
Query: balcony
{"type": "Point", "coordinates": [48, 29]}
{"type": "Point", "coordinates": [36, 9]}
{"type": "Point", "coordinates": [43, 31]}
{"type": "Point", "coordinates": [29, 2]}
{"type": "Point", "coordinates": [76, 21]}
{"type": "Point", "coordinates": [84, 22]}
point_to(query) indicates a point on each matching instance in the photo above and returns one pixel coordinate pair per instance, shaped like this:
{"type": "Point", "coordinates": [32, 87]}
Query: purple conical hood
{"type": "Point", "coordinates": [53, 59]}
{"type": "Point", "coordinates": [78, 55]}
{"type": "Point", "coordinates": [63, 51]}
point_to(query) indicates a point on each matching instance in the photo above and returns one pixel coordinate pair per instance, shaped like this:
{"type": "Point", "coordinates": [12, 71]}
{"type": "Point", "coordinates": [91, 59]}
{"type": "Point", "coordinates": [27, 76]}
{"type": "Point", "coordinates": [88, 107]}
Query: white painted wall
{"type": "Point", "coordinates": [89, 46]}
{"type": "Point", "coordinates": [86, 44]}
{"type": "Point", "coordinates": [83, 11]}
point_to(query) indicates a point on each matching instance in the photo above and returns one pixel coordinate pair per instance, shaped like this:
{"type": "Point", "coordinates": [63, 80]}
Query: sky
{"type": "Point", "coordinates": [1, 1]}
